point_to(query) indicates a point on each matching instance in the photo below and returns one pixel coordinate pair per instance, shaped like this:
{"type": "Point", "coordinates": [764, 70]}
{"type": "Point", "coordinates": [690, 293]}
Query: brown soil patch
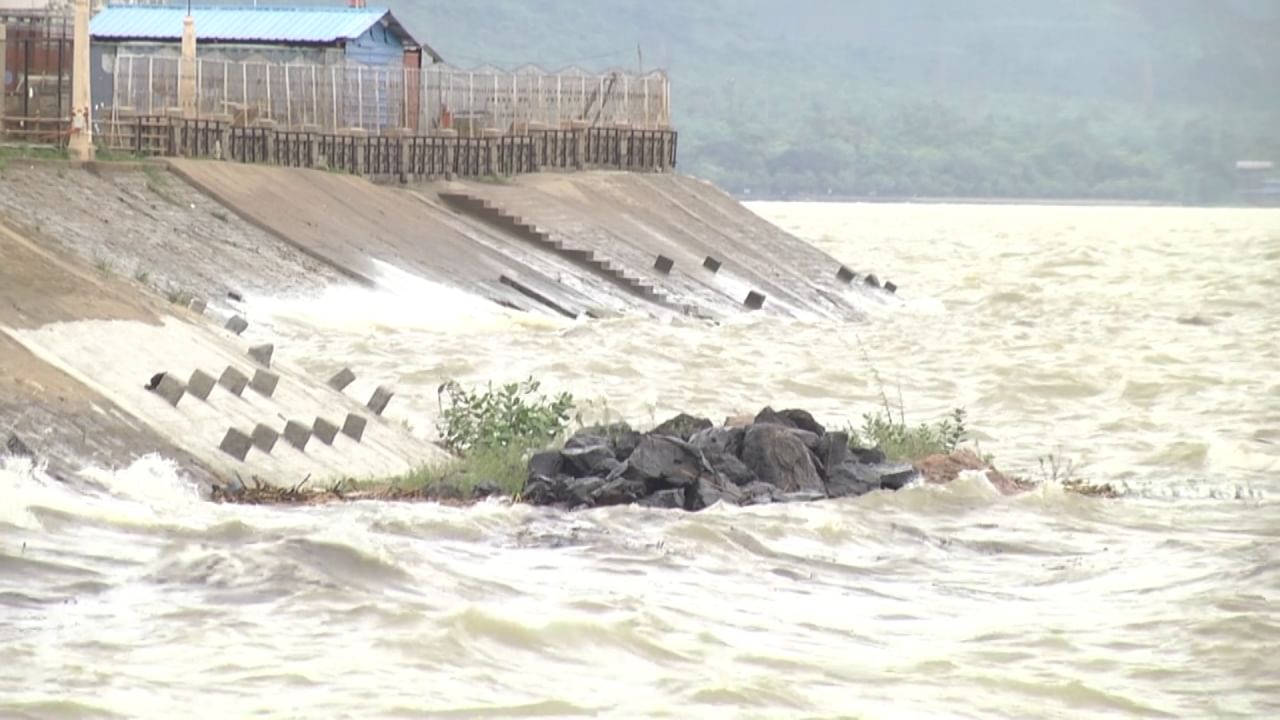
{"type": "Point", "coordinates": [940, 469]}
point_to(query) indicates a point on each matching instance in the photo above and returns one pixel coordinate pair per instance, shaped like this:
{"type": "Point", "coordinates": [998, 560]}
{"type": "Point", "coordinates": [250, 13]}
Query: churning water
{"type": "Point", "coordinates": [1140, 344]}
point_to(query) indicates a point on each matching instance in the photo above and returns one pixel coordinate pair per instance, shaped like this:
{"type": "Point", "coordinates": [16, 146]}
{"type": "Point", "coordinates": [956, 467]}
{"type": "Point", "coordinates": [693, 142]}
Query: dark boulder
{"type": "Point", "coordinates": [803, 420]}
{"type": "Point", "coordinates": [719, 441]}
{"type": "Point", "coordinates": [781, 459]}
{"type": "Point", "coordinates": [869, 456]}
{"type": "Point", "coordinates": [833, 449]}
{"type": "Point", "coordinates": [626, 443]}
{"type": "Point", "coordinates": [547, 464]}
{"type": "Point", "coordinates": [732, 469]}
{"type": "Point", "coordinates": [809, 439]}
{"type": "Point", "coordinates": [895, 476]}
{"type": "Point", "coordinates": [595, 460]}
{"type": "Point", "coordinates": [769, 416]}
{"type": "Point", "coordinates": [619, 491]}
{"type": "Point", "coordinates": [672, 499]}
{"type": "Point", "coordinates": [587, 438]}
{"type": "Point", "coordinates": [851, 479]}
{"type": "Point", "coordinates": [710, 490]}
{"type": "Point", "coordinates": [486, 489]}
{"type": "Point", "coordinates": [580, 491]}
{"type": "Point", "coordinates": [683, 426]}
{"type": "Point", "coordinates": [545, 490]}
{"type": "Point", "coordinates": [760, 493]}
{"type": "Point", "coordinates": [617, 436]}
{"type": "Point", "coordinates": [663, 462]}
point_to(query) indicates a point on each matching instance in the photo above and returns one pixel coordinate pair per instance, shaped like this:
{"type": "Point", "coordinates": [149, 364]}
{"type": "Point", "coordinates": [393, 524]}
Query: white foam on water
{"type": "Point", "coordinates": [402, 302]}
{"type": "Point", "coordinates": [149, 491]}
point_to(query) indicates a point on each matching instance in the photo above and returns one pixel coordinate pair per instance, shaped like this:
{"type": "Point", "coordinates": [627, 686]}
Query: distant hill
{"type": "Point", "coordinates": [1123, 99]}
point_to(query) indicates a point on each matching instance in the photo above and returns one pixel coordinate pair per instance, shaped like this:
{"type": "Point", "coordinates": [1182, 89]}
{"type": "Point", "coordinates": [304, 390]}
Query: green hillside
{"type": "Point", "coordinates": [1131, 99]}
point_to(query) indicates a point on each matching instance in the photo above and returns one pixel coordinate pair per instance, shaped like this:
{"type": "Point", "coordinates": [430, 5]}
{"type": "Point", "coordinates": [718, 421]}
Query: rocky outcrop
{"type": "Point", "coordinates": [689, 463]}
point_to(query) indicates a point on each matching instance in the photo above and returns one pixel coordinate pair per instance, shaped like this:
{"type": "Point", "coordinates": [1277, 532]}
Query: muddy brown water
{"type": "Point", "coordinates": [1137, 345]}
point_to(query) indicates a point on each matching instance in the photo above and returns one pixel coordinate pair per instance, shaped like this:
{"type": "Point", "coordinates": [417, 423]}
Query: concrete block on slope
{"type": "Point", "coordinates": [236, 444]}
{"type": "Point", "coordinates": [754, 300]}
{"type": "Point", "coordinates": [237, 324]}
{"type": "Point", "coordinates": [264, 438]}
{"type": "Point", "coordinates": [354, 427]}
{"type": "Point", "coordinates": [325, 431]}
{"type": "Point", "coordinates": [265, 382]}
{"type": "Point", "coordinates": [198, 306]}
{"type": "Point", "coordinates": [845, 275]}
{"type": "Point", "coordinates": [168, 387]}
{"type": "Point", "coordinates": [261, 354]}
{"type": "Point", "coordinates": [201, 384]}
{"type": "Point", "coordinates": [297, 434]}
{"type": "Point", "coordinates": [381, 398]}
{"type": "Point", "coordinates": [344, 378]}
{"type": "Point", "coordinates": [234, 381]}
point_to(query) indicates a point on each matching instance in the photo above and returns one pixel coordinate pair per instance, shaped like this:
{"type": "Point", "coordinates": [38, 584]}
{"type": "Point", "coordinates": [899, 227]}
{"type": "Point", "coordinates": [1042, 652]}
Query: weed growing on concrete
{"type": "Point", "coordinates": [514, 416]}
{"type": "Point", "coordinates": [142, 275]}
{"type": "Point", "coordinates": [104, 265]}
{"type": "Point", "coordinates": [178, 296]}
{"type": "Point", "coordinates": [106, 154]}
{"type": "Point", "coordinates": [220, 215]}
{"type": "Point", "coordinates": [158, 184]}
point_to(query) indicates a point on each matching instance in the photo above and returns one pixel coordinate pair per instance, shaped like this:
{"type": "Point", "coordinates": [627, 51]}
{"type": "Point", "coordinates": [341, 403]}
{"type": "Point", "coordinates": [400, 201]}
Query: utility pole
{"type": "Point", "coordinates": [81, 143]}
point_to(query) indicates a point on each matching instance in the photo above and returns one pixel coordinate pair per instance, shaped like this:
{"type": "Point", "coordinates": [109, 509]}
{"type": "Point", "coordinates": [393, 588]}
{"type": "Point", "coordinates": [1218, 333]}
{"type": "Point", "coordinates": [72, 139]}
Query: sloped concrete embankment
{"type": "Point", "coordinates": [103, 372]}
{"type": "Point", "coordinates": [694, 244]}
{"type": "Point", "coordinates": [574, 244]}
{"type": "Point", "coordinates": [361, 227]}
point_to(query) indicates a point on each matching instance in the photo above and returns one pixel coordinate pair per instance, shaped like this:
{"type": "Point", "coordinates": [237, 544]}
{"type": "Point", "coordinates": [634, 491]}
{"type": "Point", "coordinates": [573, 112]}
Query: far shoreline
{"type": "Point", "coordinates": [1033, 202]}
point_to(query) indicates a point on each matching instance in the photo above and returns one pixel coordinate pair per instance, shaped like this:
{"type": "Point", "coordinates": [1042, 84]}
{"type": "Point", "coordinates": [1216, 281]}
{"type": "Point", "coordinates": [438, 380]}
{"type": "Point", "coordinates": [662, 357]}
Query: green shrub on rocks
{"type": "Point", "coordinates": [902, 442]}
{"type": "Point", "coordinates": [514, 416]}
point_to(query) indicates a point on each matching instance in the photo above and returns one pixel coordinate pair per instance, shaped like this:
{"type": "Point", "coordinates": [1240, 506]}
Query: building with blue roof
{"type": "Point", "coordinates": [136, 48]}
{"type": "Point", "coordinates": [312, 34]}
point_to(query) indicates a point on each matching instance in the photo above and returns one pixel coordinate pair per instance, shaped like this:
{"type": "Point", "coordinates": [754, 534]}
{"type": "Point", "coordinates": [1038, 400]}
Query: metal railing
{"type": "Point", "coordinates": [376, 99]}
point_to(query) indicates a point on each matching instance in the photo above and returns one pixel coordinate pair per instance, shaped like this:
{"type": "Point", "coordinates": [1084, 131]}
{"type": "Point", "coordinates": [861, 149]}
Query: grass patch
{"type": "Point", "coordinates": [178, 296]}
{"type": "Point", "coordinates": [158, 184]}
{"type": "Point", "coordinates": [142, 275]}
{"type": "Point", "coordinates": [104, 265]}
{"type": "Point", "coordinates": [106, 154]}
{"type": "Point", "coordinates": [502, 470]}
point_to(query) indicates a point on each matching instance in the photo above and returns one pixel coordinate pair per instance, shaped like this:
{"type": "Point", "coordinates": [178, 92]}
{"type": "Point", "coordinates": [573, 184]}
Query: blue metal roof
{"type": "Point", "coordinates": [309, 25]}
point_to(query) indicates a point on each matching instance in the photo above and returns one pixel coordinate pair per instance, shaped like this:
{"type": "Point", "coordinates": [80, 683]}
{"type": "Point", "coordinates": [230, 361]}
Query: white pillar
{"type": "Point", "coordinates": [81, 143]}
{"type": "Point", "coordinates": [187, 69]}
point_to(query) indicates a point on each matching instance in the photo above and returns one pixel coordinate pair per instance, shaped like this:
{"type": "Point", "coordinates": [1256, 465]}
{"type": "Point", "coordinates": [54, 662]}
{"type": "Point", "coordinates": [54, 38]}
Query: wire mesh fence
{"type": "Point", "coordinates": [378, 99]}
